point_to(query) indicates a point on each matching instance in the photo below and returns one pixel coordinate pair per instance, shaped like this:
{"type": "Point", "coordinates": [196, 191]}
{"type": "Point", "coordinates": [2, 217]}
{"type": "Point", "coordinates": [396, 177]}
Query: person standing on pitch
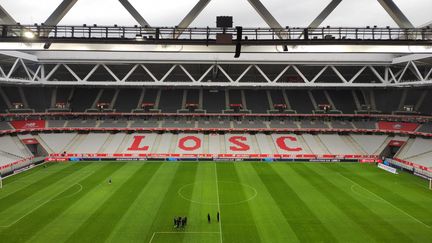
{"type": "Point", "coordinates": [208, 218]}
{"type": "Point", "coordinates": [218, 216]}
{"type": "Point", "coordinates": [109, 181]}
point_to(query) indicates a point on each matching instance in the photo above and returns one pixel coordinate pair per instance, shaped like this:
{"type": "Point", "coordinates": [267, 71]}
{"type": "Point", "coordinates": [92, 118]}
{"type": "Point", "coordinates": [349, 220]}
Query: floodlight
{"type": "Point", "coordinates": [29, 35]}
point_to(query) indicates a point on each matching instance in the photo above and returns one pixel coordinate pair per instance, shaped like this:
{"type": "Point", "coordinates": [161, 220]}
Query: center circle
{"type": "Point", "coordinates": [226, 192]}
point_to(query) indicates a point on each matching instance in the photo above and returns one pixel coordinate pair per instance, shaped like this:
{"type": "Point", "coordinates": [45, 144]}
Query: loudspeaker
{"type": "Point", "coordinates": [224, 21]}
{"type": "Point", "coordinates": [238, 41]}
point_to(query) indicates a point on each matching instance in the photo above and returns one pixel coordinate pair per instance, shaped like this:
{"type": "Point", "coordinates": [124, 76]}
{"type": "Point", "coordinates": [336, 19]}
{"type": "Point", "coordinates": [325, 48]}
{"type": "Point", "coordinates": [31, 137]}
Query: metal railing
{"type": "Point", "coordinates": [137, 33]}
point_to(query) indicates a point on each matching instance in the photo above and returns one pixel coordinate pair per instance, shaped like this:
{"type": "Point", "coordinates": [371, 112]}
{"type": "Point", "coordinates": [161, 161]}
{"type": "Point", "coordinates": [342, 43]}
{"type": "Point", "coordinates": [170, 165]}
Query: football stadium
{"type": "Point", "coordinates": [215, 121]}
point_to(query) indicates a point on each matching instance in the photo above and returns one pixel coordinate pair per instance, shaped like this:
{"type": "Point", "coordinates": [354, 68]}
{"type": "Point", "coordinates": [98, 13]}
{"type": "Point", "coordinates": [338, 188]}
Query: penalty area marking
{"type": "Point", "coordinates": [389, 203]}
{"type": "Point", "coordinates": [70, 195]}
{"type": "Point", "coordinates": [191, 232]}
{"type": "Point", "coordinates": [50, 200]}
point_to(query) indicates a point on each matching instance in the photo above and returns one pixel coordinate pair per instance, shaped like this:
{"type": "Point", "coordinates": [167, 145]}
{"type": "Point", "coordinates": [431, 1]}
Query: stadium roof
{"type": "Point", "coordinates": [406, 48]}
{"type": "Point", "coordinates": [170, 12]}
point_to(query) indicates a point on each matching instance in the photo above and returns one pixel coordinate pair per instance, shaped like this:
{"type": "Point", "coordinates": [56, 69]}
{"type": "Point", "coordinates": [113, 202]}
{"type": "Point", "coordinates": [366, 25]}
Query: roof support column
{"type": "Point", "coordinates": [266, 15]}
{"type": "Point", "coordinates": [324, 14]}
{"type": "Point", "coordinates": [58, 14]}
{"type": "Point", "coordinates": [393, 10]}
{"type": "Point", "coordinates": [190, 17]}
{"type": "Point", "coordinates": [135, 14]}
{"type": "Point", "coordinates": [5, 17]}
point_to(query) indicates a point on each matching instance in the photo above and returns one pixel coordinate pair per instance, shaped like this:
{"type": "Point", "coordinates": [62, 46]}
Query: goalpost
{"type": "Point", "coordinates": [430, 183]}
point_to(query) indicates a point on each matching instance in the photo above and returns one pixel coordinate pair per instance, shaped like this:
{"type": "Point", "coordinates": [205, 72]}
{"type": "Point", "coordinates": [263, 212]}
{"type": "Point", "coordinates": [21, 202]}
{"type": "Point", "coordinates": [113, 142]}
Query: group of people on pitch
{"type": "Point", "coordinates": [209, 218]}
{"type": "Point", "coordinates": [180, 222]}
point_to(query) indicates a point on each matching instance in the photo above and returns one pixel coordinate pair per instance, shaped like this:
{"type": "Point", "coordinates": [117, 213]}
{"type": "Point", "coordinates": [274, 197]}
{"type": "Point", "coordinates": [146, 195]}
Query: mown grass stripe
{"type": "Point", "coordinates": [20, 181]}
{"type": "Point", "coordinates": [100, 224]}
{"type": "Point", "coordinates": [68, 221]}
{"type": "Point", "coordinates": [371, 223]}
{"type": "Point", "coordinates": [415, 210]}
{"type": "Point", "coordinates": [203, 193]}
{"type": "Point", "coordinates": [172, 204]}
{"type": "Point", "coordinates": [145, 208]}
{"type": "Point", "coordinates": [401, 184]}
{"type": "Point", "coordinates": [303, 221]}
{"type": "Point", "coordinates": [38, 185]}
{"type": "Point", "coordinates": [23, 175]}
{"type": "Point", "coordinates": [270, 222]}
{"type": "Point", "coordinates": [24, 230]}
{"type": "Point", "coordinates": [236, 217]}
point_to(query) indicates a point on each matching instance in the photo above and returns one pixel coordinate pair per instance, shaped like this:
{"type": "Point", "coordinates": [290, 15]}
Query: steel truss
{"type": "Point", "coordinates": [64, 7]}
{"type": "Point", "coordinates": [21, 71]}
{"type": "Point", "coordinates": [208, 36]}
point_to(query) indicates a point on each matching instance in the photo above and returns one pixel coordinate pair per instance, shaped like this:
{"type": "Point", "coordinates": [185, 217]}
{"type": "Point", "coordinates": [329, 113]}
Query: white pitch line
{"type": "Point", "coordinates": [389, 203]}
{"type": "Point", "coordinates": [185, 232]}
{"type": "Point", "coordinates": [151, 239]}
{"type": "Point", "coordinates": [34, 209]}
{"type": "Point", "coordinates": [217, 195]}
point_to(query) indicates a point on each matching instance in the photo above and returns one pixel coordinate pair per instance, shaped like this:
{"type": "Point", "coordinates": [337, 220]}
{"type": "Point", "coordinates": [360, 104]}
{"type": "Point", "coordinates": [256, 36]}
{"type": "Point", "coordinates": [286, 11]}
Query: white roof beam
{"type": "Point", "coordinates": [59, 13]}
{"type": "Point", "coordinates": [324, 14]}
{"type": "Point", "coordinates": [396, 14]}
{"type": "Point", "coordinates": [266, 15]}
{"type": "Point", "coordinates": [21, 55]}
{"type": "Point", "coordinates": [428, 24]}
{"type": "Point", "coordinates": [135, 14]}
{"type": "Point", "coordinates": [190, 17]}
{"type": "Point", "coordinates": [411, 57]}
{"type": "Point", "coordinates": [5, 17]}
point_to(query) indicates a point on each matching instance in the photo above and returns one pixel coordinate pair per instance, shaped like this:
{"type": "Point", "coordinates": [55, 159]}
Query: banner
{"type": "Point", "coordinates": [387, 168]}
{"type": "Point", "coordinates": [398, 126]}
{"type": "Point", "coordinates": [28, 124]}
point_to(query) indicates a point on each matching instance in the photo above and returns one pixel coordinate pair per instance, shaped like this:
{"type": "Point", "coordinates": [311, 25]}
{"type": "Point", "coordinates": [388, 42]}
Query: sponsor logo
{"type": "Point", "coordinates": [387, 168]}
{"type": "Point", "coordinates": [29, 124]}
{"type": "Point", "coordinates": [397, 126]}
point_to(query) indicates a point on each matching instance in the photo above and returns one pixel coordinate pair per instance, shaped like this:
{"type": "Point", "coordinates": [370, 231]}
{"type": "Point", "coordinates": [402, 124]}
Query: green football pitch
{"type": "Point", "coordinates": [258, 202]}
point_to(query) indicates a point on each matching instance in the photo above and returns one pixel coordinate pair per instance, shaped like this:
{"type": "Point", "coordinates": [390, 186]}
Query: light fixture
{"type": "Point", "coordinates": [29, 34]}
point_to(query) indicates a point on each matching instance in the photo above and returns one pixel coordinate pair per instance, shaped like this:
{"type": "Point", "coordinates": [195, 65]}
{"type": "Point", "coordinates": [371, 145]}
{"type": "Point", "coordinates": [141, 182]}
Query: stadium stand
{"type": "Point", "coordinates": [232, 143]}
{"type": "Point", "coordinates": [5, 126]}
{"type": "Point", "coordinates": [56, 123]}
{"type": "Point", "coordinates": [11, 149]}
{"type": "Point", "coordinates": [426, 128]}
{"type": "Point", "coordinates": [387, 101]}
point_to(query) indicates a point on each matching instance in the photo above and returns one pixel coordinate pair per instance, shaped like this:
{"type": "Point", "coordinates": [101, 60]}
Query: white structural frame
{"type": "Point", "coordinates": [34, 73]}
{"type": "Point", "coordinates": [5, 17]}
{"type": "Point", "coordinates": [388, 72]}
{"type": "Point", "coordinates": [324, 13]}
{"type": "Point", "coordinates": [396, 14]}
{"type": "Point", "coordinates": [135, 14]}
{"type": "Point", "coordinates": [389, 6]}
{"type": "Point", "coordinates": [59, 13]}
